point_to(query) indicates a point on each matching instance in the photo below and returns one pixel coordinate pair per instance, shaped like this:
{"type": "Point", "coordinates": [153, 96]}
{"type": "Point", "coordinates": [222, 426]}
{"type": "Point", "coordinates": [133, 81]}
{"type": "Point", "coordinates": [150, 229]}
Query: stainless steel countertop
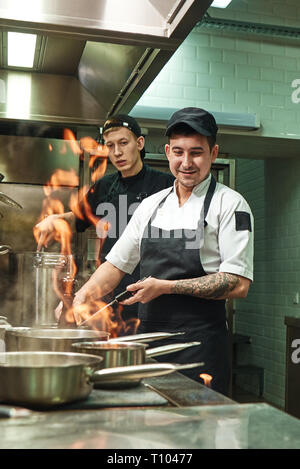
{"type": "Point", "coordinates": [210, 427]}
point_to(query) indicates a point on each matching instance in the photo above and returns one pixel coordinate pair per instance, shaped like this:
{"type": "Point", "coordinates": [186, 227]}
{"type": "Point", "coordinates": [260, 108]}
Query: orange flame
{"type": "Point", "coordinates": [59, 179]}
{"type": "Point", "coordinates": [70, 138]}
{"type": "Point", "coordinates": [109, 320]}
{"type": "Point", "coordinates": [106, 320]}
{"type": "Point", "coordinates": [206, 378]}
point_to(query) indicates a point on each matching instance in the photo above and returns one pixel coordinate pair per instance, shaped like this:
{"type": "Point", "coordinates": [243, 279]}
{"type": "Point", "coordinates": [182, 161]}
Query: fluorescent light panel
{"type": "Point", "coordinates": [20, 49]}
{"type": "Point", "coordinates": [220, 3]}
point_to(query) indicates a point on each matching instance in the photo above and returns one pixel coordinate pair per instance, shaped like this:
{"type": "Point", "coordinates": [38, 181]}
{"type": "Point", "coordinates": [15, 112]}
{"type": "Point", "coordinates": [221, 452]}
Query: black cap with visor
{"type": "Point", "coordinates": [198, 119]}
{"type": "Point", "coordinates": [123, 120]}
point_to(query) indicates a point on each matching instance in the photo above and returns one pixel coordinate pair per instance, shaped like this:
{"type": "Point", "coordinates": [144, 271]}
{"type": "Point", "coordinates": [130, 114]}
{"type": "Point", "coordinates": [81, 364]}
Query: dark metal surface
{"type": "Point", "coordinates": [182, 391]}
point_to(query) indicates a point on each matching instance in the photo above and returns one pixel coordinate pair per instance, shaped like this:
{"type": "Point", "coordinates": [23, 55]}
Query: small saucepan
{"type": "Point", "coordinates": [116, 354]}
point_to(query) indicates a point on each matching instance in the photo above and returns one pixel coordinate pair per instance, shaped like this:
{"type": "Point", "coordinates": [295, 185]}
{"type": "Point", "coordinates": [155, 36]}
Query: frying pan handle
{"type": "Point", "coordinates": [171, 348]}
{"type": "Point", "coordinates": [7, 411]}
{"type": "Point", "coordinates": [135, 373]}
{"type": "Point", "coordinates": [4, 249]}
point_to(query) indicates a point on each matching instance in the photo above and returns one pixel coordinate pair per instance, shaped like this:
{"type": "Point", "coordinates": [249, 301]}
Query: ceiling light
{"type": "Point", "coordinates": [21, 49]}
{"type": "Point", "coordinates": [220, 3]}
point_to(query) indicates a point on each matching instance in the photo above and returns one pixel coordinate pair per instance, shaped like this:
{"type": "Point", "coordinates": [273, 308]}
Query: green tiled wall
{"type": "Point", "coordinates": [230, 73]}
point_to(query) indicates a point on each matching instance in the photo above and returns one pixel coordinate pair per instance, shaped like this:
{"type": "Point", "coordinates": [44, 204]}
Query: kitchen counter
{"type": "Point", "coordinates": [182, 391]}
{"type": "Point", "coordinates": [248, 426]}
{"type": "Point", "coordinates": [184, 414]}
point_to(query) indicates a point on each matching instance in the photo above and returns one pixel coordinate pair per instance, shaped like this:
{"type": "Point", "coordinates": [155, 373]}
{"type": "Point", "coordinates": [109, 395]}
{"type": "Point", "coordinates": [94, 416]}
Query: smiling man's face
{"type": "Point", "coordinates": [190, 158]}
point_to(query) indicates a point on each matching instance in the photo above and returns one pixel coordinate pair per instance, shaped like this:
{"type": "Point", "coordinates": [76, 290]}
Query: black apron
{"type": "Point", "coordinates": [164, 255]}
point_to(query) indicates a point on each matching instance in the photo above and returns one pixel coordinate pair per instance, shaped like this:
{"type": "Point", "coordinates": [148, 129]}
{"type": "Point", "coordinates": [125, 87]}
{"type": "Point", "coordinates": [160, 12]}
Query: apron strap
{"type": "Point", "coordinates": [209, 195]}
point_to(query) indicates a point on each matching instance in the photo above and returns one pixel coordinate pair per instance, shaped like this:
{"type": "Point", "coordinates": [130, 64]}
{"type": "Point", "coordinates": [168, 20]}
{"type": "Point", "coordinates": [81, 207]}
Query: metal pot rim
{"type": "Point", "coordinates": [84, 359]}
{"type": "Point", "coordinates": [37, 333]}
{"type": "Point", "coordinates": [98, 345]}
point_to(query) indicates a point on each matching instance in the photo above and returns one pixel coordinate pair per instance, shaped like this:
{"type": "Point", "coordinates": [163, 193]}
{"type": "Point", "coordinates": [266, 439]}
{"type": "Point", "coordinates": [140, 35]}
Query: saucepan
{"type": "Point", "coordinates": [118, 354]}
{"type": "Point", "coordinates": [18, 339]}
{"type": "Point", "coordinates": [126, 355]}
{"type": "Point", "coordinates": [48, 379]}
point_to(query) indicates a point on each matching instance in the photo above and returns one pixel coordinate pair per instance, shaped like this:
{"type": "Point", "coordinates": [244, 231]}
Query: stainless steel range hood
{"type": "Point", "coordinates": [95, 58]}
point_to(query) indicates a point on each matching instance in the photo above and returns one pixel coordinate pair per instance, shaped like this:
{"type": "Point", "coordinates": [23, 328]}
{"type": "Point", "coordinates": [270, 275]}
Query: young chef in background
{"type": "Point", "coordinates": [195, 240]}
{"type": "Point", "coordinates": [116, 196]}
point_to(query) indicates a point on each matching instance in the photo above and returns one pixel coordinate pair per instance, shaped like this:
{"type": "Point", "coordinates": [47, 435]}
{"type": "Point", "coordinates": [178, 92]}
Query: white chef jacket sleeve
{"type": "Point", "coordinates": [125, 254]}
{"type": "Point", "coordinates": [236, 236]}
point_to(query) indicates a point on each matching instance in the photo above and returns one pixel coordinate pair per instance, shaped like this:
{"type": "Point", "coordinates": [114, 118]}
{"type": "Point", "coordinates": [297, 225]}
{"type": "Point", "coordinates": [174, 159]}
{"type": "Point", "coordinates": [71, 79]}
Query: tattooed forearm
{"type": "Point", "coordinates": [211, 287]}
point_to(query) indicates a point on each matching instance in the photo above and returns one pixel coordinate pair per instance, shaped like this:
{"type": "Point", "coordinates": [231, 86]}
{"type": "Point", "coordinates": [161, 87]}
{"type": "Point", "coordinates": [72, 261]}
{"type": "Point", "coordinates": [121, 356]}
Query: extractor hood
{"type": "Point", "coordinates": [95, 57]}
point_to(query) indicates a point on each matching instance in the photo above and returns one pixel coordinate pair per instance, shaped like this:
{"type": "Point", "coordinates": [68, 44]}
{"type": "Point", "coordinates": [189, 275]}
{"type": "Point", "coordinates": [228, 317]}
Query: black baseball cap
{"type": "Point", "coordinates": [123, 120]}
{"type": "Point", "coordinates": [198, 119]}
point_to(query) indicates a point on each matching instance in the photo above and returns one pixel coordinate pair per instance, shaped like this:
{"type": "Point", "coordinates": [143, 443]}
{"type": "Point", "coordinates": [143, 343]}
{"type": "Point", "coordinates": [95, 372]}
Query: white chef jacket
{"type": "Point", "coordinates": [226, 247]}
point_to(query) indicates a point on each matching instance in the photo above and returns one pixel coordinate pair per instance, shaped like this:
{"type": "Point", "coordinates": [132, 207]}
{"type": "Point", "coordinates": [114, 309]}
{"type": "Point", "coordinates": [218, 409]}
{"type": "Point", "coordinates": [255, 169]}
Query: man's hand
{"type": "Point", "coordinates": [44, 231]}
{"type": "Point", "coordinates": [146, 290]}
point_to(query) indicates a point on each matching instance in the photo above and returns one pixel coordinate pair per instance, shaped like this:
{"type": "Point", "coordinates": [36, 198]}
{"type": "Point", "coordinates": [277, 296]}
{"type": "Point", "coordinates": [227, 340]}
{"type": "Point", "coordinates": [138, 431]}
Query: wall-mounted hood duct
{"type": "Point", "coordinates": [224, 119]}
{"type": "Point", "coordinates": [220, 24]}
{"type": "Point", "coordinates": [113, 49]}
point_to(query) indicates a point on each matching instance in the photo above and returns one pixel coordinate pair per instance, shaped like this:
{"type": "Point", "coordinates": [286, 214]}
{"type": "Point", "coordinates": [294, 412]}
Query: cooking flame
{"type": "Point", "coordinates": [106, 320]}
{"type": "Point", "coordinates": [206, 378]}
{"type": "Point", "coordinates": [109, 319]}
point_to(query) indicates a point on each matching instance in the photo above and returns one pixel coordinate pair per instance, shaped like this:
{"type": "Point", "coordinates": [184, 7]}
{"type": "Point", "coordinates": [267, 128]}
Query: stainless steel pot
{"type": "Point", "coordinates": [47, 379]}
{"type": "Point", "coordinates": [29, 279]}
{"type": "Point", "coordinates": [126, 353]}
{"type": "Point", "coordinates": [19, 339]}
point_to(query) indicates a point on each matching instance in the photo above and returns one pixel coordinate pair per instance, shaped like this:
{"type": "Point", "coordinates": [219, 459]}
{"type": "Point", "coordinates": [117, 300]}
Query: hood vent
{"type": "Point", "coordinates": [239, 121]}
{"type": "Point", "coordinates": [95, 58]}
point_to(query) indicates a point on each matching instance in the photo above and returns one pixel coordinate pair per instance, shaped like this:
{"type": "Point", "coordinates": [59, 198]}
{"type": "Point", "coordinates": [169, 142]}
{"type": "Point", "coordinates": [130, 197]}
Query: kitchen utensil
{"type": "Point", "coordinates": [126, 353]}
{"type": "Point", "coordinates": [120, 297]}
{"type": "Point", "coordinates": [4, 249]}
{"type": "Point", "coordinates": [31, 276]}
{"type": "Point", "coordinates": [47, 379]}
{"type": "Point", "coordinates": [7, 411]}
{"type": "Point", "coordinates": [146, 337]}
{"type": "Point", "coordinates": [9, 201]}
{"type": "Point", "coordinates": [131, 376]}
{"type": "Point", "coordinates": [19, 339]}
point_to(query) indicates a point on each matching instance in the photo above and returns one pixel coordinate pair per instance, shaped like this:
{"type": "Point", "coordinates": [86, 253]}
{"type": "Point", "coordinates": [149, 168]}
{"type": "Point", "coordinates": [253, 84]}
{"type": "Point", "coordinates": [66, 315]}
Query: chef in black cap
{"type": "Point", "coordinates": [195, 243]}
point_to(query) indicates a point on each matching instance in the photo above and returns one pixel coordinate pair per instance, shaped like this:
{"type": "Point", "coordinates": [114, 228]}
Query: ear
{"type": "Point", "coordinates": [214, 153]}
{"type": "Point", "coordinates": [167, 150]}
{"type": "Point", "coordinates": [140, 142]}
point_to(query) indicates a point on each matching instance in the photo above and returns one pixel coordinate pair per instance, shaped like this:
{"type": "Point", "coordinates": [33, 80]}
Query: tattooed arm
{"type": "Point", "coordinates": [217, 286]}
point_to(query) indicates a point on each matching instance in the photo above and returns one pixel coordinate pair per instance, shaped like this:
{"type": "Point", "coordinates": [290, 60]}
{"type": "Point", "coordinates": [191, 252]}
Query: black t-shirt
{"type": "Point", "coordinates": [124, 195]}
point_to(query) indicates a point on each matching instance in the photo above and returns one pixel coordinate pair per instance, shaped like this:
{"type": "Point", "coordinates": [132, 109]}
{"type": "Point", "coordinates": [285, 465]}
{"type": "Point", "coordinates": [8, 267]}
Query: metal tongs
{"type": "Point", "coordinates": [120, 297]}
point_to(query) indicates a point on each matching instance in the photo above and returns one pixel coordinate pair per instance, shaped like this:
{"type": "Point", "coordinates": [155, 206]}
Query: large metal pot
{"type": "Point", "coordinates": [29, 280]}
{"type": "Point", "coordinates": [126, 353]}
{"type": "Point", "coordinates": [19, 339]}
{"type": "Point", "coordinates": [47, 379]}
